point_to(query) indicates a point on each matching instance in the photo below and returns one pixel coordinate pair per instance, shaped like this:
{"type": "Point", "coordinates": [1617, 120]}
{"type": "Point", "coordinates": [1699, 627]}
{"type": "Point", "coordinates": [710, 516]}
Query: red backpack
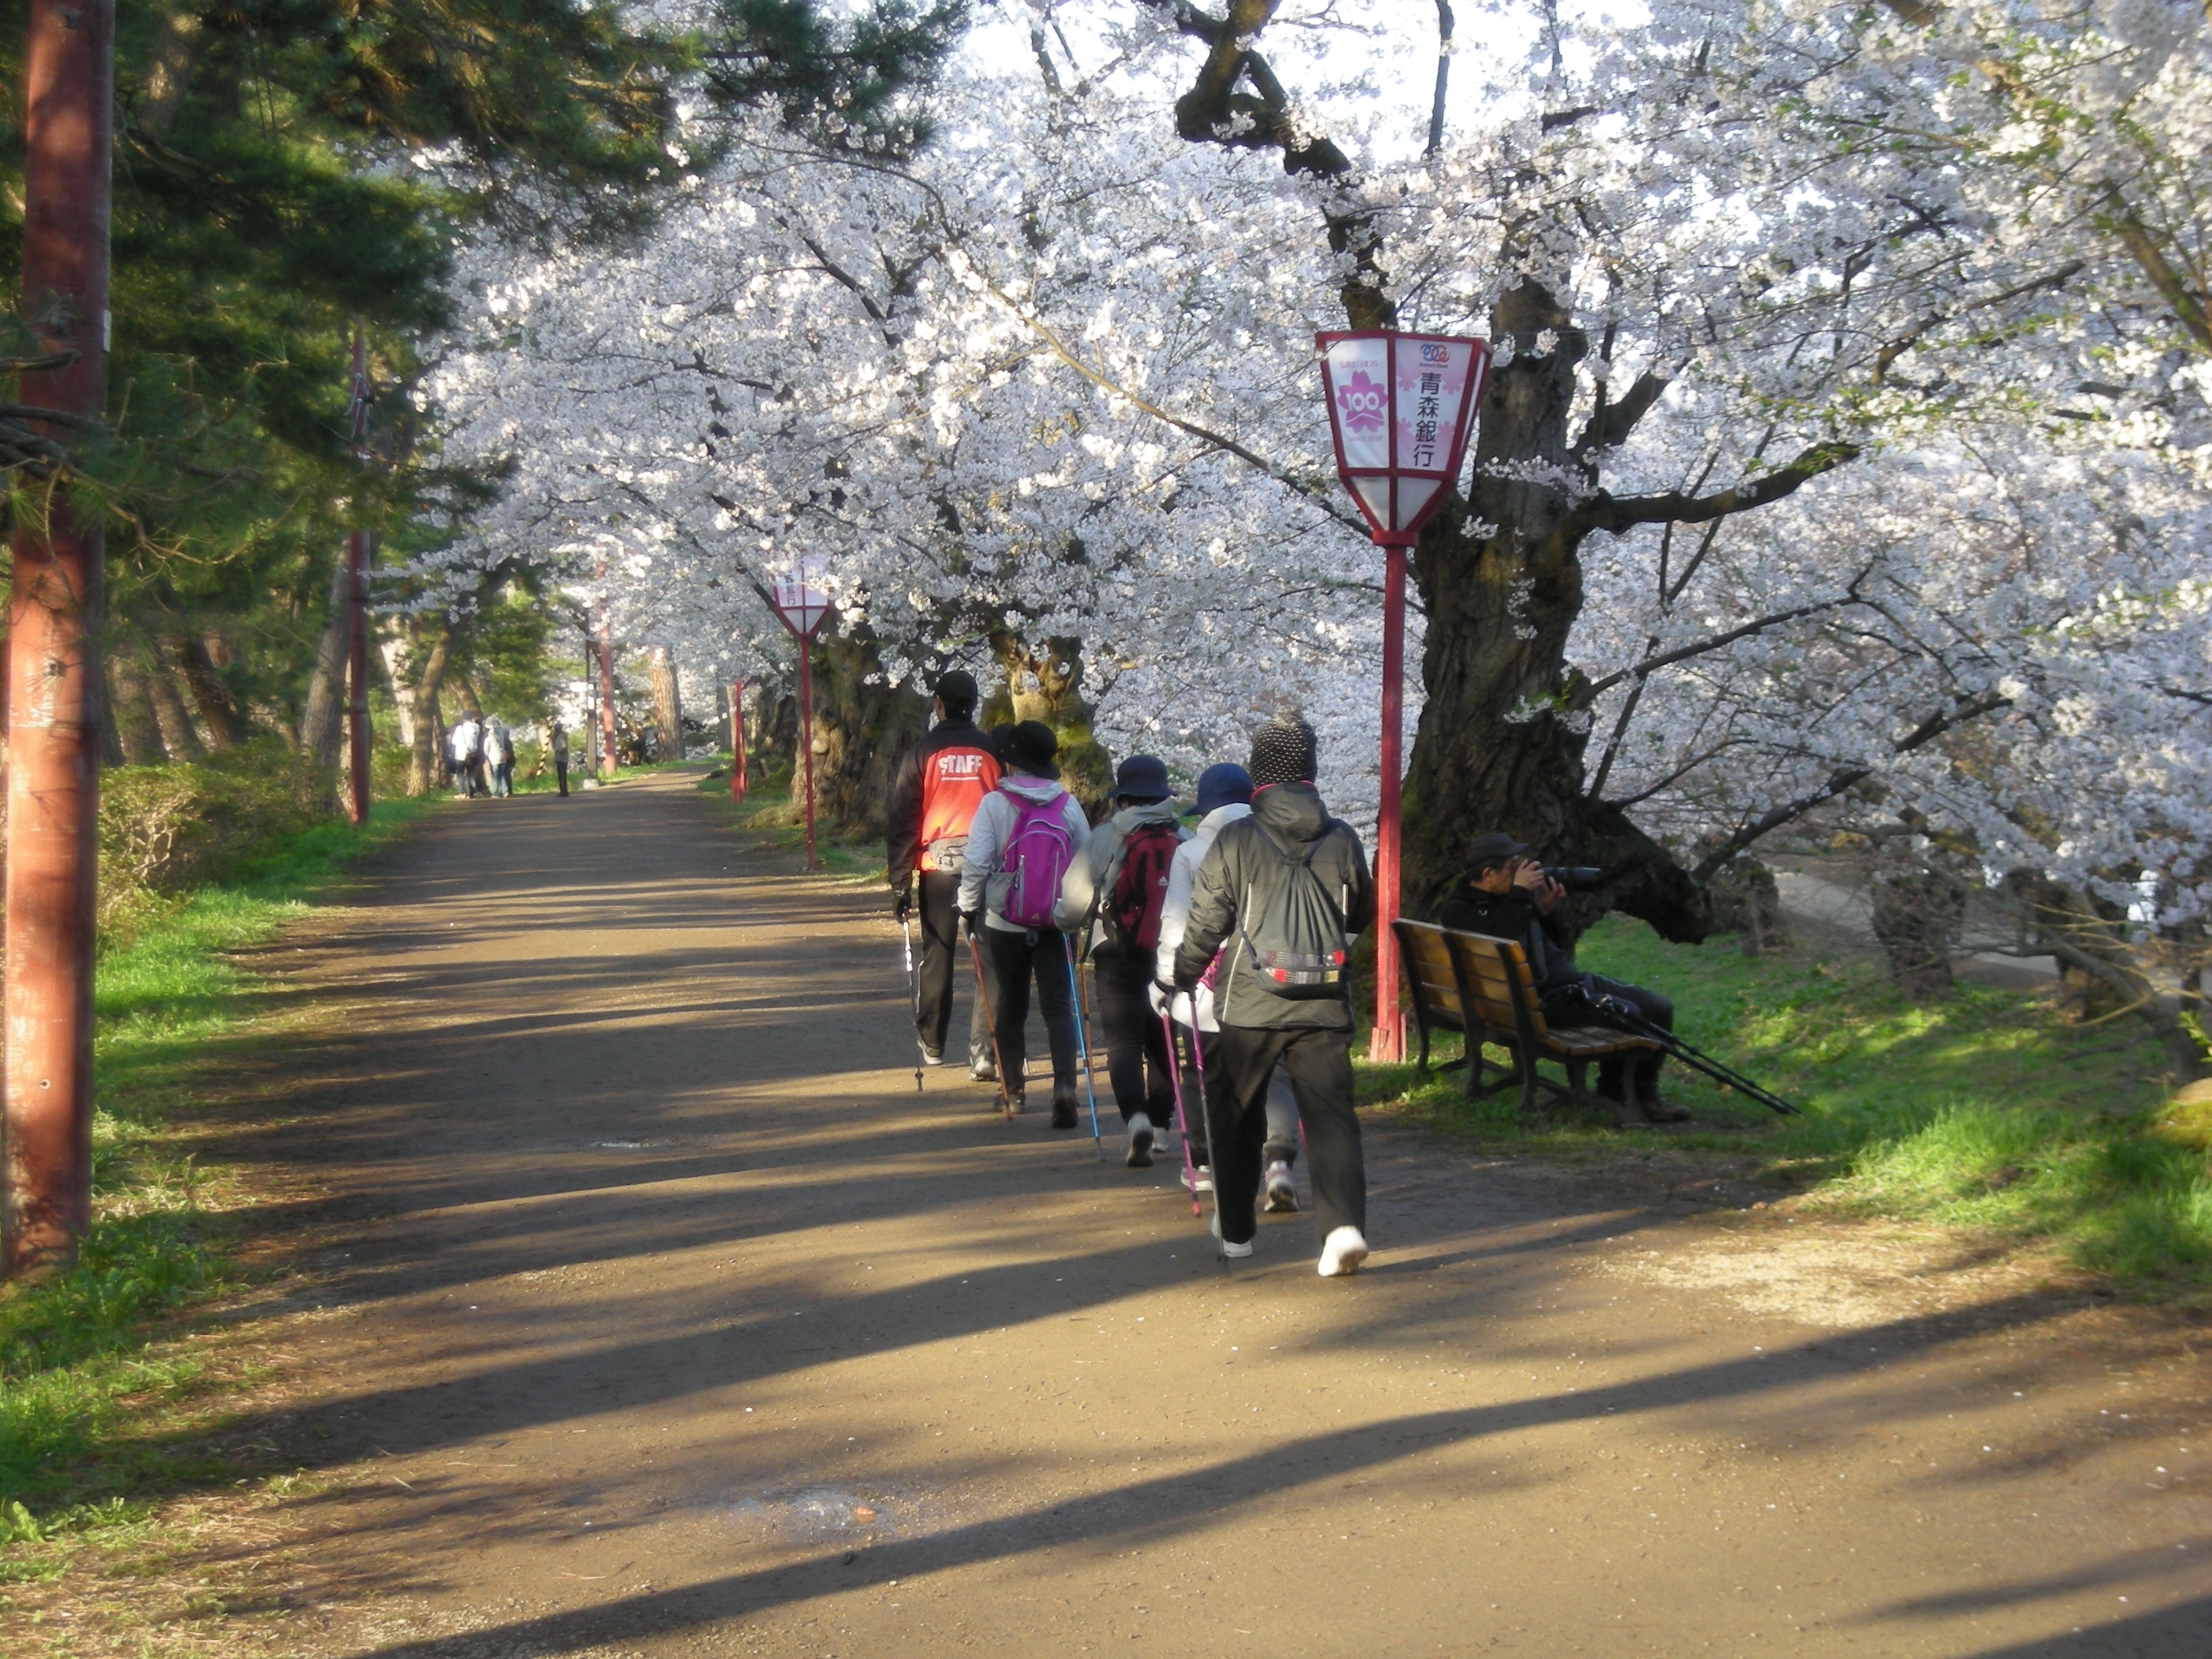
{"type": "Point", "coordinates": [1132, 910]}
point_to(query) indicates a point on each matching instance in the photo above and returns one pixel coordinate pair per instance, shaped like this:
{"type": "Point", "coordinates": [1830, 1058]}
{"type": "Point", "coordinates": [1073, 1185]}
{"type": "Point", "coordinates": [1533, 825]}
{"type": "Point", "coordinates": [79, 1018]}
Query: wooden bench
{"type": "Point", "coordinates": [1492, 999]}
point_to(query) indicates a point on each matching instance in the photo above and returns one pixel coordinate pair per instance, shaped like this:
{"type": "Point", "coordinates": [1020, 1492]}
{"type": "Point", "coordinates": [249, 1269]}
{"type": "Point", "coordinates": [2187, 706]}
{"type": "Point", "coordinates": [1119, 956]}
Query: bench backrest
{"type": "Point", "coordinates": [1497, 983]}
{"type": "Point", "coordinates": [1426, 951]}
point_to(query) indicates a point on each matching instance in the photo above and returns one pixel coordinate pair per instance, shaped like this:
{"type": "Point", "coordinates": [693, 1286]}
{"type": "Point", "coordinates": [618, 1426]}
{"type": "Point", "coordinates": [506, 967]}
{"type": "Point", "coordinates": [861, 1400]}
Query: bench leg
{"type": "Point", "coordinates": [1525, 1063]}
{"type": "Point", "coordinates": [1577, 1071]}
{"type": "Point", "coordinates": [1421, 1066]}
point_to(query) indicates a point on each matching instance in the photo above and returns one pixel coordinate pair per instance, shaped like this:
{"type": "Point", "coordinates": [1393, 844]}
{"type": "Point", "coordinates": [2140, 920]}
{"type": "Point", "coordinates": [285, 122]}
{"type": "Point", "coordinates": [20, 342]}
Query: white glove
{"type": "Point", "coordinates": [1158, 994]}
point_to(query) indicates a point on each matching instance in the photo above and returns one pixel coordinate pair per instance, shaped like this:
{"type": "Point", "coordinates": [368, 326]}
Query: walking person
{"type": "Point", "coordinates": [498, 756]}
{"type": "Point", "coordinates": [463, 744]}
{"type": "Point", "coordinates": [1225, 795]}
{"type": "Point", "coordinates": [1024, 838]}
{"type": "Point", "coordinates": [1286, 890]}
{"type": "Point", "coordinates": [1115, 893]}
{"type": "Point", "coordinates": [561, 756]}
{"type": "Point", "coordinates": [941, 780]}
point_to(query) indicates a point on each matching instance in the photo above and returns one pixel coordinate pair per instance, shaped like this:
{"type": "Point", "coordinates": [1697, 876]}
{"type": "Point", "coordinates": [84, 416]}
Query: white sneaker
{"type": "Point", "coordinates": [1140, 1142]}
{"type": "Point", "coordinates": [1341, 1253]}
{"type": "Point", "coordinates": [1282, 1191]}
{"type": "Point", "coordinates": [1238, 1252]}
{"type": "Point", "coordinates": [1197, 1178]}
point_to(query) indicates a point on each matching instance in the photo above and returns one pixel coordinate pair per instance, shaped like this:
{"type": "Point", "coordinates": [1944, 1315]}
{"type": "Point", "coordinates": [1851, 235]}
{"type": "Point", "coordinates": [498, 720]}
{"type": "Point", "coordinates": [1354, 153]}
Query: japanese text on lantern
{"type": "Point", "coordinates": [1427, 407]}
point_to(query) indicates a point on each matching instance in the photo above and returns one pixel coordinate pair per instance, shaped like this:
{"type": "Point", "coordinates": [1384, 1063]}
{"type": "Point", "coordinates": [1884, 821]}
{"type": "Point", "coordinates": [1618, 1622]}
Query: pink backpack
{"type": "Point", "coordinates": [1037, 853]}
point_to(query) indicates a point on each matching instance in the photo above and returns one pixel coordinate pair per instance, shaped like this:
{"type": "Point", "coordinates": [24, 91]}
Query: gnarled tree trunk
{"type": "Point", "coordinates": [667, 705]}
{"type": "Point", "coordinates": [1500, 742]}
{"type": "Point", "coordinates": [1044, 682]}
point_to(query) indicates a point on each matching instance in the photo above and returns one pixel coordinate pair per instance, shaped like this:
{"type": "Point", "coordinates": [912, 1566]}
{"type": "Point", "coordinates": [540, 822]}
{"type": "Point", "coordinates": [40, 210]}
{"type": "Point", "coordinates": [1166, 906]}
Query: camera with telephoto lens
{"type": "Point", "coordinates": [1574, 878]}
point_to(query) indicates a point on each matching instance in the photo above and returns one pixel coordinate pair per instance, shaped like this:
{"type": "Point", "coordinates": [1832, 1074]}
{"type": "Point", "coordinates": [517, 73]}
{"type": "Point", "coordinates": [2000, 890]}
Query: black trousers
{"type": "Point", "coordinates": [561, 771]}
{"type": "Point", "coordinates": [1011, 960]}
{"type": "Point", "coordinates": [1136, 1045]}
{"type": "Point", "coordinates": [1652, 1004]}
{"type": "Point", "coordinates": [1319, 1064]}
{"type": "Point", "coordinates": [1212, 1092]}
{"type": "Point", "coordinates": [944, 960]}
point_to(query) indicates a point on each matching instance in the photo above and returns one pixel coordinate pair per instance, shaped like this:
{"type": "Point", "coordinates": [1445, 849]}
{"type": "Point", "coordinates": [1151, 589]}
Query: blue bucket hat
{"type": "Point", "coordinates": [1225, 785]}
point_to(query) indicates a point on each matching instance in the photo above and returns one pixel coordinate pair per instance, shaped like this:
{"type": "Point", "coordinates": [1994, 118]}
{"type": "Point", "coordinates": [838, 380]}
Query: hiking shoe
{"type": "Point", "coordinates": [1063, 1106]}
{"type": "Point", "coordinates": [981, 1070]}
{"type": "Point", "coordinates": [1282, 1191]}
{"type": "Point", "coordinates": [1342, 1252]}
{"type": "Point", "coordinates": [1140, 1143]}
{"type": "Point", "coordinates": [1197, 1178]}
{"type": "Point", "coordinates": [1234, 1252]}
{"type": "Point", "coordinates": [933, 1056]}
{"type": "Point", "coordinates": [1657, 1110]}
{"type": "Point", "coordinates": [1016, 1106]}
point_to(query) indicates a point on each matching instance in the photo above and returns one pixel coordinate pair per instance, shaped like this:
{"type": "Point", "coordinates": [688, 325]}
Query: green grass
{"type": "Point", "coordinates": [89, 1360]}
{"type": "Point", "coordinates": [770, 816]}
{"type": "Point", "coordinates": [1985, 1112]}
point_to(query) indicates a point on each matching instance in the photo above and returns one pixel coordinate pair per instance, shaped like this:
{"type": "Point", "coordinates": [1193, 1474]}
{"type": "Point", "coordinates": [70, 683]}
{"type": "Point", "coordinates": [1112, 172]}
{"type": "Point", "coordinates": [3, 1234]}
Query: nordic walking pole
{"type": "Point", "coordinates": [1198, 1059]}
{"type": "Point", "coordinates": [1083, 1042]}
{"type": "Point", "coordinates": [990, 1024]}
{"type": "Point", "coordinates": [1175, 1075]}
{"type": "Point", "coordinates": [913, 996]}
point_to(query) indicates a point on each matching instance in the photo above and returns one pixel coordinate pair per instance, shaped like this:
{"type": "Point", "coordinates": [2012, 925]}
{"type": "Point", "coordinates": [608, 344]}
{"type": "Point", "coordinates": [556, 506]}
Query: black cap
{"type": "Point", "coordinates": [956, 689]}
{"type": "Point", "coordinates": [1493, 848]}
{"type": "Point", "coordinates": [1029, 748]}
{"type": "Point", "coordinates": [1141, 778]}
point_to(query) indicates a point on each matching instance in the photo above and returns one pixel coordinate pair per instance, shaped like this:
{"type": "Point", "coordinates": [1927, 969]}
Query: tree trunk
{"type": "Point", "coordinates": [1044, 681]}
{"type": "Point", "coordinates": [423, 768]}
{"type": "Point", "coordinates": [178, 736]}
{"type": "Point", "coordinates": [1498, 746]}
{"type": "Point", "coordinates": [667, 704]}
{"type": "Point", "coordinates": [319, 726]}
{"type": "Point", "coordinates": [1917, 916]}
{"type": "Point", "coordinates": [218, 713]}
{"type": "Point", "coordinates": [392, 654]}
{"type": "Point", "coordinates": [464, 693]}
{"type": "Point", "coordinates": [2100, 973]}
{"type": "Point", "coordinates": [137, 728]}
{"type": "Point", "coordinates": [861, 726]}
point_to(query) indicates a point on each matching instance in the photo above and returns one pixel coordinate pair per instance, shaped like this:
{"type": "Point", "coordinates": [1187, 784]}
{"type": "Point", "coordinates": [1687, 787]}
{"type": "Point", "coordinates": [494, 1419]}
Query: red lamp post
{"type": "Point", "coordinates": [736, 740]}
{"type": "Point", "coordinates": [801, 605]}
{"type": "Point", "coordinates": [1400, 409]}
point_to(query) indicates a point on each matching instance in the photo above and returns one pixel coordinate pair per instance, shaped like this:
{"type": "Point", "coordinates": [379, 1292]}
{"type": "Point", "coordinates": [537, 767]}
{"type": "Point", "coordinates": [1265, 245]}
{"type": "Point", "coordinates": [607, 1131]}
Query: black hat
{"type": "Point", "coordinates": [1029, 748]}
{"type": "Point", "coordinates": [1142, 778]}
{"type": "Point", "coordinates": [1283, 751]}
{"type": "Point", "coordinates": [956, 688]}
{"type": "Point", "coordinates": [1493, 848]}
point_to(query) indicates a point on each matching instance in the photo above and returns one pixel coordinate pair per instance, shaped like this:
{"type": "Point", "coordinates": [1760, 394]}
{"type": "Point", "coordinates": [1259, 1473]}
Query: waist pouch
{"type": "Point", "coordinates": [948, 853]}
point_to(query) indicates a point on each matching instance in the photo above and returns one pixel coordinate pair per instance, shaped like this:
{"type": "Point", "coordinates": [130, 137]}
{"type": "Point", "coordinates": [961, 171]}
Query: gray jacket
{"type": "Point", "coordinates": [984, 884]}
{"type": "Point", "coordinates": [1248, 864]}
{"type": "Point", "coordinates": [1098, 867]}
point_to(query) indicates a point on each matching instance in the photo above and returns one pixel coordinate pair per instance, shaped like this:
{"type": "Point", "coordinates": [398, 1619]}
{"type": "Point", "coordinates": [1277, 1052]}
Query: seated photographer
{"type": "Point", "coordinates": [1507, 895]}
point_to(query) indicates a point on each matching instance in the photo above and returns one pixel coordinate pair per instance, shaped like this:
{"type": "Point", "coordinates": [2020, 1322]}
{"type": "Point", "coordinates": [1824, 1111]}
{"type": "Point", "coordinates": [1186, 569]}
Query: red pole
{"type": "Point", "coordinates": [607, 699]}
{"type": "Point", "coordinates": [806, 733]}
{"type": "Point", "coordinates": [737, 740]}
{"type": "Point", "coordinates": [1386, 1040]}
{"type": "Point", "coordinates": [357, 608]}
{"type": "Point", "coordinates": [54, 698]}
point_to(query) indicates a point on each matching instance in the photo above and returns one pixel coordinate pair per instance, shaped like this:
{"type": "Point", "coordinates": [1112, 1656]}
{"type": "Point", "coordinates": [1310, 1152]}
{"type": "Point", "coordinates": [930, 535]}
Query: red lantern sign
{"type": "Point", "coordinates": [802, 606]}
{"type": "Point", "coordinates": [1400, 409]}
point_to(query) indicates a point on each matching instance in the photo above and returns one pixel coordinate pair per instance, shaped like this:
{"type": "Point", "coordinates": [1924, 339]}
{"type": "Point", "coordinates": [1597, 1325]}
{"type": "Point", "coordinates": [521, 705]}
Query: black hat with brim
{"type": "Point", "coordinates": [1493, 848]}
{"type": "Point", "coordinates": [1030, 747]}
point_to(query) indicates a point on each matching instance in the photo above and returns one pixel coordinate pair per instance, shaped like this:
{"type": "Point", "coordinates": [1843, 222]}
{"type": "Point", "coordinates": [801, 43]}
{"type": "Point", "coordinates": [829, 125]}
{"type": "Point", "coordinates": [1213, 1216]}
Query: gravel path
{"type": "Point", "coordinates": [663, 1316]}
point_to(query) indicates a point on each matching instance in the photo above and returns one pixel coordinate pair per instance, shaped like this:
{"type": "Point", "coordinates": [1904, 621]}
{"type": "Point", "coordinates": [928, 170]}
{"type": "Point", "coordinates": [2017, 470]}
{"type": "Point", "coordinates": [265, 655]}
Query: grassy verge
{"type": "Point", "coordinates": [771, 815]}
{"type": "Point", "coordinates": [1983, 1111]}
{"type": "Point", "coordinates": [92, 1368]}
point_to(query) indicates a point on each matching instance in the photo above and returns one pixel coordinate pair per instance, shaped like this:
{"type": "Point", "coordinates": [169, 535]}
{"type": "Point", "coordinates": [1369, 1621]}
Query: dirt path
{"type": "Point", "coordinates": [665, 1317]}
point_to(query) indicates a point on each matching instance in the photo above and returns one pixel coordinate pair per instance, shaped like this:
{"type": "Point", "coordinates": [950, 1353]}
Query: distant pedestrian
{"type": "Point", "coordinates": [561, 755]}
{"type": "Point", "coordinates": [1286, 890]}
{"type": "Point", "coordinates": [1225, 795]}
{"type": "Point", "coordinates": [1024, 835]}
{"type": "Point", "coordinates": [499, 757]}
{"type": "Point", "coordinates": [941, 780]}
{"type": "Point", "coordinates": [465, 750]}
{"type": "Point", "coordinates": [1115, 892]}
